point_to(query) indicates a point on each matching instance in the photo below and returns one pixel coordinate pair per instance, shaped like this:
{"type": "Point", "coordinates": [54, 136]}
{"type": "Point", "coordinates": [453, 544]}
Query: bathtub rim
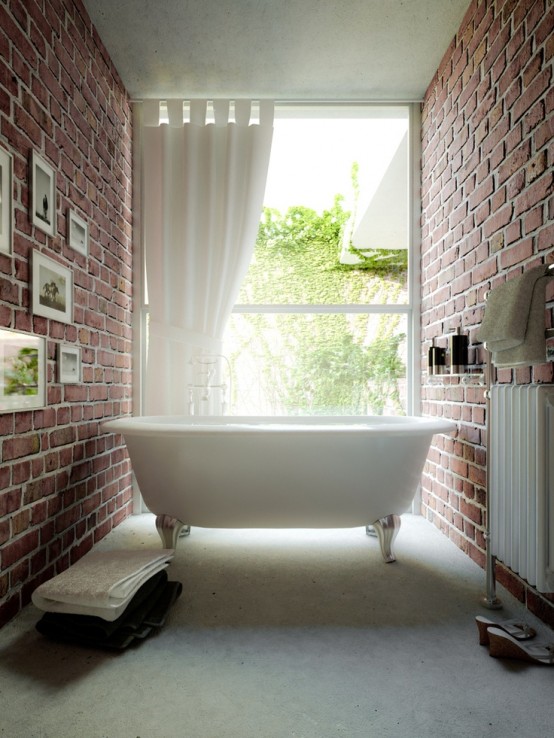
{"type": "Point", "coordinates": [182, 425]}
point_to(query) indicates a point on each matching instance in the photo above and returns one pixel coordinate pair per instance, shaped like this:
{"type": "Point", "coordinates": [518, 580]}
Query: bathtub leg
{"type": "Point", "coordinates": [169, 529]}
{"type": "Point", "coordinates": [386, 529]}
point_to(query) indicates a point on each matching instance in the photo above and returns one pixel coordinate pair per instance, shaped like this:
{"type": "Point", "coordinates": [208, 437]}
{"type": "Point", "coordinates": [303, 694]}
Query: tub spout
{"type": "Point", "coordinates": [386, 530]}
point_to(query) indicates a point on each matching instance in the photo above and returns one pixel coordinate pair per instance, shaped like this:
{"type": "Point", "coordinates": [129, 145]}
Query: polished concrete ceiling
{"type": "Point", "coordinates": [280, 49]}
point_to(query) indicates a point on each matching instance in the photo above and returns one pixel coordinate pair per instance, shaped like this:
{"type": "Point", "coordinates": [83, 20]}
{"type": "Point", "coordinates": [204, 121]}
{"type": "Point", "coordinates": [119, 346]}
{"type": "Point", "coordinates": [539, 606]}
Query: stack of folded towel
{"type": "Point", "coordinates": [513, 326]}
{"type": "Point", "coordinates": [108, 598]}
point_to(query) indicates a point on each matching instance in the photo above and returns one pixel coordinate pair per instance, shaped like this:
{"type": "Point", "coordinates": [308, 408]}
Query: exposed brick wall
{"type": "Point", "coordinates": [63, 484]}
{"type": "Point", "coordinates": [487, 214]}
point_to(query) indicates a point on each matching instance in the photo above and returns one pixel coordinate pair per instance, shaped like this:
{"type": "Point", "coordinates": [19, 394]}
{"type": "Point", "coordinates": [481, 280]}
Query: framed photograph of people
{"type": "Point", "coordinates": [6, 205]}
{"type": "Point", "coordinates": [69, 364]}
{"type": "Point", "coordinates": [43, 195]}
{"type": "Point", "coordinates": [52, 289]}
{"type": "Point", "coordinates": [77, 232]}
{"type": "Point", "coordinates": [22, 371]}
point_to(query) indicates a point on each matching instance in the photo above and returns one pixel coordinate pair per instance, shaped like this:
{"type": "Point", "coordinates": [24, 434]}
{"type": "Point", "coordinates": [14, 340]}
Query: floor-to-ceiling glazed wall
{"type": "Point", "coordinates": [63, 483]}
{"type": "Point", "coordinates": [488, 210]}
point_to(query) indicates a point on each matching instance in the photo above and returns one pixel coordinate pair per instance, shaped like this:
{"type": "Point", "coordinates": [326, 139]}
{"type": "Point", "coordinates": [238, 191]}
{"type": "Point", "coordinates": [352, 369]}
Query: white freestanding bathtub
{"type": "Point", "coordinates": [272, 472]}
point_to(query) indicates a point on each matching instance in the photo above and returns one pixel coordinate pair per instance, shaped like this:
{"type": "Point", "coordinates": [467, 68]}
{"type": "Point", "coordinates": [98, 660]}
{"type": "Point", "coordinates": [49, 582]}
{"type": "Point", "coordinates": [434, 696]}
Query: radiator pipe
{"type": "Point", "coordinates": [490, 600]}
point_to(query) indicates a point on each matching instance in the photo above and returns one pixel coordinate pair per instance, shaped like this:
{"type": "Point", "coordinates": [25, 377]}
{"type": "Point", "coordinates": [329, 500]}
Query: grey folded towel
{"type": "Point", "coordinates": [513, 326]}
{"type": "Point", "coordinates": [102, 583]}
{"type": "Point", "coordinates": [148, 610]}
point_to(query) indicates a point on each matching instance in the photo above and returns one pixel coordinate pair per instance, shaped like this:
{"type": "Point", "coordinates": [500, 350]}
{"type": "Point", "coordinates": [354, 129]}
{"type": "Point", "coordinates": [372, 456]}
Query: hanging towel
{"type": "Point", "coordinates": [513, 326]}
{"type": "Point", "coordinates": [102, 583]}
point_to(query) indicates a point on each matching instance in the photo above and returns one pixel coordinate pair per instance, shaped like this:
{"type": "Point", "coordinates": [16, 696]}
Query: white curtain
{"type": "Point", "coordinates": [203, 185]}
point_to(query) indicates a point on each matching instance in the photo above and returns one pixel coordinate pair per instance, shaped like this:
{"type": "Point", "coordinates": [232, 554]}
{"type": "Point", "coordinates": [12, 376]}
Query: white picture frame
{"type": "Point", "coordinates": [77, 232]}
{"type": "Point", "coordinates": [22, 371]}
{"type": "Point", "coordinates": [6, 204]}
{"type": "Point", "coordinates": [69, 364]}
{"type": "Point", "coordinates": [43, 195]}
{"type": "Point", "coordinates": [52, 289]}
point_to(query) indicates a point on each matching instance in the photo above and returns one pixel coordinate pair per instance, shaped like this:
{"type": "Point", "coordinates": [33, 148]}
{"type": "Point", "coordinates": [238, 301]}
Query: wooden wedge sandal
{"type": "Point", "coordinates": [516, 628]}
{"type": "Point", "coordinates": [504, 646]}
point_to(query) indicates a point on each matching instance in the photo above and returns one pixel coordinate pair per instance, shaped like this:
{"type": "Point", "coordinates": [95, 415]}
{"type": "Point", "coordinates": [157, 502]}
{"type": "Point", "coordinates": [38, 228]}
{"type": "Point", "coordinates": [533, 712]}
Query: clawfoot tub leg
{"type": "Point", "coordinates": [386, 529]}
{"type": "Point", "coordinates": [170, 529]}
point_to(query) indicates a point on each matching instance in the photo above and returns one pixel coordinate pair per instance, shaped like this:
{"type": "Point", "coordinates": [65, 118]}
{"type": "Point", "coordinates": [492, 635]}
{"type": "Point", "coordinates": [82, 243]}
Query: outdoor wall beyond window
{"type": "Point", "coordinates": [325, 319]}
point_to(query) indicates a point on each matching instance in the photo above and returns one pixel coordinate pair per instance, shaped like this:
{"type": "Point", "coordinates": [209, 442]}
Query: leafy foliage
{"type": "Point", "coordinates": [341, 363]}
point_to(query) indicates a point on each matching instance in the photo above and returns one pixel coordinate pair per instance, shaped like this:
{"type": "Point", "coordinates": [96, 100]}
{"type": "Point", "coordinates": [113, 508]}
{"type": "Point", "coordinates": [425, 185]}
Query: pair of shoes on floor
{"type": "Point", "coordinates": [506, 640]}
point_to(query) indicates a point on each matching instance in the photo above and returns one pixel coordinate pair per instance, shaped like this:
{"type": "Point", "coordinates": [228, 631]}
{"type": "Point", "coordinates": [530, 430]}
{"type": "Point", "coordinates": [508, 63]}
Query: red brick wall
{"type": "Point", "coordinates": [487, 214]}
{"type": "Point", "coordinates": [63, 484]}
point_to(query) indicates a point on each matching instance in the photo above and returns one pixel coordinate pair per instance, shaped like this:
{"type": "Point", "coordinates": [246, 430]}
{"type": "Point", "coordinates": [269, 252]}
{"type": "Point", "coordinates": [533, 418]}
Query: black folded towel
{"type": "Point", "coordinates": [147, 610]}
{"type": "Point", "coordinates": [157, 616]}
{"type": "Point", "coordinates": [95, 627]}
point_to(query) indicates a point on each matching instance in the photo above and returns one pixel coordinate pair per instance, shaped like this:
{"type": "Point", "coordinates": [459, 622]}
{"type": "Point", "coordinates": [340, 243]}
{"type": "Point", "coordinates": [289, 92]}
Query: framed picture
{"type": "Point", "coordinates": [6, 208]}
{"type": "Point", "coordinates": [78, 233]}
{"type": "Point", "coordinates": [43, 200]}
{"type": "Point", "coordinates": [69, 364]}
{"type": "Point", "coordinates": [52, 289]}
{"type": "Point", "coordinates": [22, 371]}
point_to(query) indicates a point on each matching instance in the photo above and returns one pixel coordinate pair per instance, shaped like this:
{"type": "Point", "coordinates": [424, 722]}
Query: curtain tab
{"type": "Point", "coordinates": [175, 113]}
{"type": "Point", "coordinates": [242, 112]}
{"type": "Point", "coordinates": [267, 112]}
{"type": "Point", "coordinates": [221, 112]}
{"type": "Point", "coordinates": [198, 110]}
{"type": "Point", "coordinates": [151, 113]}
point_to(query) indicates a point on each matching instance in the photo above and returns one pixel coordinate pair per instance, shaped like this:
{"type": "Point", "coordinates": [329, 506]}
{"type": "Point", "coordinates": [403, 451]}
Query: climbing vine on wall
{"type": "Point", "coordinates": [339, 363]}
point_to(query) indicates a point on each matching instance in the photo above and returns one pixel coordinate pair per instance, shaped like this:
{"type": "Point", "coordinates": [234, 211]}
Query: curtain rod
{"type": "Point", "coordinates": [284, 103]}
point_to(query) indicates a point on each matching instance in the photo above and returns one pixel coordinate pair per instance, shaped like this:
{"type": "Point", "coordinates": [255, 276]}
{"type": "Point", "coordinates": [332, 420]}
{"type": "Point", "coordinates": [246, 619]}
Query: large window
{"type": "Point", "coordinates": [325, 322]}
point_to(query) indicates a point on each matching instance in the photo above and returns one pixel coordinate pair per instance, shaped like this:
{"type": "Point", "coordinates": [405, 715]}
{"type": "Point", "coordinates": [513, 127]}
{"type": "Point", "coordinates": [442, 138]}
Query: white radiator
{"type": "Point", "coordinates": [521, 480]}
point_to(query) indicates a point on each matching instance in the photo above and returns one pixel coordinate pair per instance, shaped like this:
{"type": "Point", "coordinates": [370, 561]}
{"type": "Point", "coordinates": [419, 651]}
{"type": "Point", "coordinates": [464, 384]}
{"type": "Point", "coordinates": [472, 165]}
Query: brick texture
{"type": "Point", "coordinates": [63, 484]}
{"type": "Point", "coordinates": [487, 211]}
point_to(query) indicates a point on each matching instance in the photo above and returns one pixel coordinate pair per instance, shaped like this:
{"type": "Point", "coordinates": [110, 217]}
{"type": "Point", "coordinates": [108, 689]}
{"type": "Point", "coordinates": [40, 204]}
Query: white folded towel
{"type": "Point", "coordinates": [102, 583]}
{"type": "Point", "coordinates": [513, 326]}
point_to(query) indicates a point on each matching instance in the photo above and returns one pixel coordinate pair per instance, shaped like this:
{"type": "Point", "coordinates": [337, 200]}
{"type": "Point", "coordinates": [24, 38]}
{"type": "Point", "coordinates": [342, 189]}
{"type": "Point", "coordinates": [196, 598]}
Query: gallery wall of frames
{"type": "Point", "coordinates": [23, 374]}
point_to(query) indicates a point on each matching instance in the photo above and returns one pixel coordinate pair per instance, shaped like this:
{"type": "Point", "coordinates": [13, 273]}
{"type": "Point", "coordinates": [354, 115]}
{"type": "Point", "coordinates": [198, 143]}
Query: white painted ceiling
{"type": "Point", "coordinates": [376, 50]}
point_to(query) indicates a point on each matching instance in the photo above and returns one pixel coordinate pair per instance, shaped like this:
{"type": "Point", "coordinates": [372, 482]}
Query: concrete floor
{"type": "Point", "coordinates": [288, 634]}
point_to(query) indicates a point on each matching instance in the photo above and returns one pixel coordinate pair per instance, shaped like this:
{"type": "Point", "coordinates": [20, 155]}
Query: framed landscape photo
{"type": "Point", "coordinates": [43, 200]}
{"type": "Point", "coordinates": [69, 364]}
{"type": "Point", "coordinates": [78, 233]}
{"type": "Point", "coordinates": [22, 371]}
{"type": "Point", "coordinates": [6, 207]}
{"type": "Point", "coordinates": [52, 289]}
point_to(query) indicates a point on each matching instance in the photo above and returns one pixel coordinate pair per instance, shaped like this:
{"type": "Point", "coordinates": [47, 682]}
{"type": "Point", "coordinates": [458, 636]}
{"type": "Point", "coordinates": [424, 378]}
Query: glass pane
{"type": "Point", "coordinates": [317, 364]}
{"type": "Point", "coordinates": [335, 224]}
{"type": "Point", "coordinates": [309, 273]}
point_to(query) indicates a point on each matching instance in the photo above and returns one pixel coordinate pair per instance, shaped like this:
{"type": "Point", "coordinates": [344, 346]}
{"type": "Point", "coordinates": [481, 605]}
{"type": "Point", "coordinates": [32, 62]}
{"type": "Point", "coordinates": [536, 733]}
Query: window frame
{"type": "Point", "coordinates": [410, 309]}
